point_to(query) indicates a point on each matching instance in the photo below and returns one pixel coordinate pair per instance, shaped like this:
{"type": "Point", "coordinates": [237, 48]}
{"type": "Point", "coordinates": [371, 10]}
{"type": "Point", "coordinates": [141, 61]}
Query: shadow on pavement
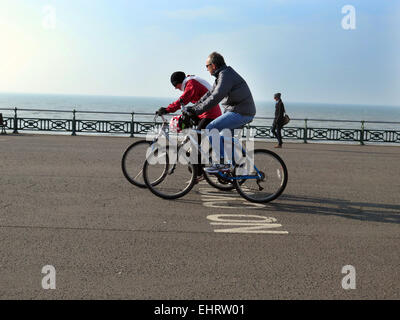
{"type": "Point", "coordinates": [372, 212]}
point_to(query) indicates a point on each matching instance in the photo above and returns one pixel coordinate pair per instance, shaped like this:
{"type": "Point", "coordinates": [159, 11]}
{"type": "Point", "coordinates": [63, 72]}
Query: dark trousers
{"type": "Point", "coordinates": [200, 125]}
{"type": "Point", "coordinates": [276, 130]}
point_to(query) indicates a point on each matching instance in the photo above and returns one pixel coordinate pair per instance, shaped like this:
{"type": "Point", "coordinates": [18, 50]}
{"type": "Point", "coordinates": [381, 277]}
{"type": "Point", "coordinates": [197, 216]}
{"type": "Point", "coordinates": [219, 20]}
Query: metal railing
{"type": "Point", "coordinates": [139, 123]}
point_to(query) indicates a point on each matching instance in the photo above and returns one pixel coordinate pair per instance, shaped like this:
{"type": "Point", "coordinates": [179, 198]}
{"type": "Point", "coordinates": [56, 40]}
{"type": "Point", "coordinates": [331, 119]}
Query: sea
{"type": "Point", "coordinates": [59, 106]}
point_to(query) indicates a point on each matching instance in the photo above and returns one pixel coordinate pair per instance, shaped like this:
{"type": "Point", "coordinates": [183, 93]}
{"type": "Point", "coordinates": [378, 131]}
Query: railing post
{"type": "Point", "coordinates": [15, 121]}
{"type": "Point", "coordinates": [73, 123]}
{"type": "Point", "coordinates": [132, 124]}
{"type": "Point", "coordinates": [3, 130]}
{"type": "Point", "coordinates": [362, 133]}
{"type": "Point", "coordinates": [305, 130]}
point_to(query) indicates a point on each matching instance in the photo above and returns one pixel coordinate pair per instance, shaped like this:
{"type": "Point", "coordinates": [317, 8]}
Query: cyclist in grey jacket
{"type": "Point", "coordinates": [233, 94]}
{"type": "Point", "coordinates": [231, 90]}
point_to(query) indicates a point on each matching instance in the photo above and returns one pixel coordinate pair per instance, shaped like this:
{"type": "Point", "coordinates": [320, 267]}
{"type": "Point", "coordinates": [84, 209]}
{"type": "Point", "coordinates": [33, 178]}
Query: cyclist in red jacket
{"type": "Point", "coordinates": [193, 88]}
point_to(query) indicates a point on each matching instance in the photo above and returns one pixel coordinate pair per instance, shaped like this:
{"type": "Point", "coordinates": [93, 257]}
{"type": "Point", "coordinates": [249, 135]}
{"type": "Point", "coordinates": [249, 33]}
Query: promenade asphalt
{"type": "Point", "coordinates": [65, 202]}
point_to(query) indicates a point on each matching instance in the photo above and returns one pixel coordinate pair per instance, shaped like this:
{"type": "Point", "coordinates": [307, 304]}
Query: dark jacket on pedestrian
{"type": "Point", "coordinates": [231, 91]}
{"type": "Point", "coordinates": [279, 113]}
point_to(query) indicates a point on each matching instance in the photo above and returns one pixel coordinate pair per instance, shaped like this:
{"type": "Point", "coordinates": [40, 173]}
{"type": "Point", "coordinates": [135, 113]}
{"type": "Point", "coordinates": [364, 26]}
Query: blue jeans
{"type": "Point", "coordinates": [229, 120]}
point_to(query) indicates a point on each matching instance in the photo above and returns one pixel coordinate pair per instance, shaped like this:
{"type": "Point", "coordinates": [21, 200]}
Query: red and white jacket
{"type": "Point", "coordinates": [193, 89]}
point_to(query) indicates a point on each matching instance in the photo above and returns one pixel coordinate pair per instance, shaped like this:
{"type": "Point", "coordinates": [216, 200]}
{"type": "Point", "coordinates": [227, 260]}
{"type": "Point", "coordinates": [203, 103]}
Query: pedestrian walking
{"type": "Point", "coordinates": [279, 119]}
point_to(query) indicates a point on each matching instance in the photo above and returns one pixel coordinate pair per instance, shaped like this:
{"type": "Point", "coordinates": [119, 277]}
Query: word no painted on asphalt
{"type": "Point", "coordinates": [349, 281]}
{"type": "Point", "coordinates": [240, 223]}
{"type": "Point", "coordinates": [49, 280]}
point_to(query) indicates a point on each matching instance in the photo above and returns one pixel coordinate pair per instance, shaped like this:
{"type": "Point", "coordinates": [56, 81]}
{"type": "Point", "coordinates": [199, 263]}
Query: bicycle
{"type": "Point", "coordinates": [179, 178]}
{"type": "Point", "coordinates": [135, 155]}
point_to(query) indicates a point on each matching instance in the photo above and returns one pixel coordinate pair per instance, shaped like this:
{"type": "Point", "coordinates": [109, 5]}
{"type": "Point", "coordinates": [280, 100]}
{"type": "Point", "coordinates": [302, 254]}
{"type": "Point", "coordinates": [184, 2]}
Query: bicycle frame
{"type": "Point", "coordinates": [222, 175]}
{"type": "Point", "coordinates": [194, 142]}
{"type": "Point", "coordinates": [182, 151]}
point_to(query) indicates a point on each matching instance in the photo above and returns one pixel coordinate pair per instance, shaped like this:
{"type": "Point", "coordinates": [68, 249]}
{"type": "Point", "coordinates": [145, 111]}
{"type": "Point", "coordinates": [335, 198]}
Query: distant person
{"type": "Point", "coordinates": [193, 88]}
{"type": "Point", "coordinates": [278, 121]}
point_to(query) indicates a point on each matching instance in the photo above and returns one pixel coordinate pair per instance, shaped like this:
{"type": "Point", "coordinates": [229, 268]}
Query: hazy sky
{"type": "Point", "coordinates": [126, 47]}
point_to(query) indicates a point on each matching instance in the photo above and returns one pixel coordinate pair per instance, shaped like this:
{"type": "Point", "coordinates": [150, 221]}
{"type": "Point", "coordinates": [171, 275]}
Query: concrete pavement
{"type": "Point", "coordinates": [65, 202]}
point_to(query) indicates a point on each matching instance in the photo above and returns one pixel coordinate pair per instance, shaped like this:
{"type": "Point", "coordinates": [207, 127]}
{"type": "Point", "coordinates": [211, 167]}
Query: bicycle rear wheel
{"type": "Point", "coordinates": [218, 182]}
{"type": "Point", "coordinates": [272, 177]}
{"type": "Point", "coordinates": [215, 180]}
{"type": "Point", "coordinates": [177, 178]}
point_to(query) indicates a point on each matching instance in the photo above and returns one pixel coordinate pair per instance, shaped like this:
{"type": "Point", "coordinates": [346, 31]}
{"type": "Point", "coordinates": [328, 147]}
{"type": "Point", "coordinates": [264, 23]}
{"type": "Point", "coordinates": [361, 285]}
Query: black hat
{"type": "Point", "coordinates": [277, 95]}
{"type": "Point", "coordinates": [177, 77]}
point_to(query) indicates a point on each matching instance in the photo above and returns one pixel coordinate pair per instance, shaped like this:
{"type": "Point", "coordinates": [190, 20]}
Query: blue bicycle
{"type": "Point", "coordinates": [258, 175]}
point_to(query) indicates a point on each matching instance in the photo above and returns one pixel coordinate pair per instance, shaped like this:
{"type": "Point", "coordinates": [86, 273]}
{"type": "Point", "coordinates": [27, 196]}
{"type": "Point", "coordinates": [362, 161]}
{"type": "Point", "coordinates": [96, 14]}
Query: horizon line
{"type": "Point", "coordinates": [155, 97]}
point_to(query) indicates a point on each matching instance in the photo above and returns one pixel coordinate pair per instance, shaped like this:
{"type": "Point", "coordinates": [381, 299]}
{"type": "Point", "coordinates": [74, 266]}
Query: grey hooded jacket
{"type": "Point", "coordinates": [231, 91]}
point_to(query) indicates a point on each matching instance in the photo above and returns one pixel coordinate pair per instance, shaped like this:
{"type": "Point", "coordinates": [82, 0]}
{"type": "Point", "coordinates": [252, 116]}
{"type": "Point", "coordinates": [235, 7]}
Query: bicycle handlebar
{"type": "Point", "coordinates": [161, 116]}
{"type": "Point", "coordinates": [183, 110]}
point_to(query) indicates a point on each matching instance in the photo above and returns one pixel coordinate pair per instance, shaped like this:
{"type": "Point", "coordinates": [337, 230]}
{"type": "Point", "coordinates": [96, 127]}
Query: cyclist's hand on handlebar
{"type": "Point", "coordinates": [190, 111]}
{"type": "Point", "coordinates": [161, 111]}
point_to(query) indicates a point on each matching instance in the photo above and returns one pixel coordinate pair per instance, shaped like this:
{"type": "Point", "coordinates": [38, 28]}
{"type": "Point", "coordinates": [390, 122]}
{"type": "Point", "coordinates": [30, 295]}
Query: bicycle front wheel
{"type": "Point", "coordinates": [132, 162]}
{"type": "Point", "coordinates": [177, 178]}
{"type": "Point", "coordinates": [271, 173]}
